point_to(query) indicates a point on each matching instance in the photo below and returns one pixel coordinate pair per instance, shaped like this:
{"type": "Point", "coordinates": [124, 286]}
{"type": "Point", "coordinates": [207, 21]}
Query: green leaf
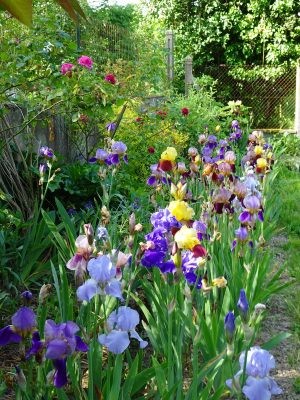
{"type": "Point", "coordinates": [276, 340]}
{"type": "Point", "coordinates": [72, 7]}
{"type": "Point", "coordinates": [117, 374]}
{"type": "Point", "coordinates": [129, 382]}
{"type": "Point", "coordinates": [20, 9]}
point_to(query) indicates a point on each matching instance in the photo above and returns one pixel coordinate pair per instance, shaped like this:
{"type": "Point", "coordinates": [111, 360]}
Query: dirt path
{"type": "Point", "coordinates": [279, 319]}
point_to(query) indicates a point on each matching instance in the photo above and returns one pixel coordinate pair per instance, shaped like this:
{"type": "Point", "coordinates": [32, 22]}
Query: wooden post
{"type": "Point", "coordinates": [297, 108]}
{"type": "Point", "coordinates": [188, 78]}
{"type": "Point", "coordinates": [170, 54]}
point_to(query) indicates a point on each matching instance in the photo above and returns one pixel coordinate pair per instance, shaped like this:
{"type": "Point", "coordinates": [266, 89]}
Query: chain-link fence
{"type": "Point", "coordinates": [272, 99]}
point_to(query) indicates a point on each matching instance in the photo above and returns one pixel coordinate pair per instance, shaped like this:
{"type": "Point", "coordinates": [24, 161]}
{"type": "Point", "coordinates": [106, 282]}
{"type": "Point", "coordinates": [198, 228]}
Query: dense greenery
{"type": "Point", "coordinates": [243, 32]}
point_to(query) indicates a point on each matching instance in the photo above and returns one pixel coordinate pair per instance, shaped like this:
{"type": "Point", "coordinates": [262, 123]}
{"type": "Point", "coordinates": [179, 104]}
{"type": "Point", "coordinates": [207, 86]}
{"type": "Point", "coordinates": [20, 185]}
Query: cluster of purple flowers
{"type": "Point", "coordinates": [160, 241]}
{"type": "Point", "coordinates": [118, 151]}
{"type": "Point", "coordinates": [59, 343]}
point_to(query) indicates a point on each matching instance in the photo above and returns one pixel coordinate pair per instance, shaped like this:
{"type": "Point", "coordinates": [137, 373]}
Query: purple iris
{"type": "Point", "coordinates": [61, 342]}
{"type": "Point", "coordinates": [156, 176]}
{"type": "Point", "coordinates": [235, 124]}
{"type": "Point", "coordinates": [112, 159]}
{"type": "Point", "coordinates": [23, 322]}
{"type": "Point", "coordinates": [201, 229]}
{"type": "Point", "coordinates": [111, 126]}
{"type": "Point", "coordinates": [42, 169]}
{"type": "Point", "coordinates": [72, 212]}
{"type": "Point", "coordinates": [252, 203]}
{"type": "Point", "coordinates": [189, 267]}
{"type": "Point", "coordinates": [45, 151]}
{"type": "Point", "coordinates": [259, 385]}
{"type": "Point", "coordinates": [229, 325]}
{"type": "Point", "coordinates": [121, 323]}
{"type": "Point", "coordinates": [26, 295]}
{"type": "Point", "coordinates": [212, 141]}
{"type": "Point", "coordinates": [101, 155]}
{"type": "Point", "coordinates": [164, 220]}
{"type": "Point", "coordinates": [243, 306]}
{"type": "Point", "coordinates": [157, 237]}
{"type": "Point", "coordinates": [119, 148]}
{"type": "Point", "coordinates": [206, 151]}
{"type": "Point", "coordinates": [103, 280]}
{"type": "Point", "coordinates": [241, 235]}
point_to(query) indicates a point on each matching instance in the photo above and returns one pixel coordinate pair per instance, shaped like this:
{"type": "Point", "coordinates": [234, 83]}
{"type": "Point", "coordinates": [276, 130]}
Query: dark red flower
{"type": "Point", "coordinates": [161, 114]}
{"type": "Point", "coordinates": [166, 165]}
{"type": "Point", "coordinates": [151, 150]}
{"type": "Point", "coordinates": [199, 251]}
{"type": "Point", "coordinates": [110, 78]}
{"type": "Point", "coordinates": [139, 120]}
{"type": "Point", "coordinates": [185, 111]}
{"type": "Point", "coordinates": [83, 118]}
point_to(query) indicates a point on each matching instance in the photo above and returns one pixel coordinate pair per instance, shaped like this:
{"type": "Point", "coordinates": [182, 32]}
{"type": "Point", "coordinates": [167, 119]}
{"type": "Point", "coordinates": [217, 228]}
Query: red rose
{"type": "Point", "coordinates": [110, 78]}
{"type": "Point", "coordinates": [185, 111]}
{"type": "Point", "coordinates": [151, 150]}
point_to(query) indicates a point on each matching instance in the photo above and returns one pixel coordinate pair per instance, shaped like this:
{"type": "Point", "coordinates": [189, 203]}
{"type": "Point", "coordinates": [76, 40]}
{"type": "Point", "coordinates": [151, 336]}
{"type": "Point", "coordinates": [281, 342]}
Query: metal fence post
{"type": "Point", "coordinates": [188, 78]}
{"type": "Point", "coordinates": [297, 108]}
{"type": "Point", "coordinates": [170, 54]}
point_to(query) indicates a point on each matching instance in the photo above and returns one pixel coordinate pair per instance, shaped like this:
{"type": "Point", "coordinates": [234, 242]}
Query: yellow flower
{"type": "Point", "coordinates": [186, 238]}
{"type": "Point", "coordinates": [269, 155]}
{"type": "Point", "coordinates": [261, 163]}
{"type": "Point", "coordinates": [170, 154]}
{"type": "Point", "coordinates": [217, 128]}
{"type": "Point", "coordinates": [181, 210]}
{"type": "Point", "coordinates": [258, 150]}
{"type": "Point", "coordinates": [179, 191]}
{"type": "Point", "coordinates": [177, 259]}
{"type": "Point", "coordinates": [197, 160]}
{"type": "Point", "coordinates": [220, 282]}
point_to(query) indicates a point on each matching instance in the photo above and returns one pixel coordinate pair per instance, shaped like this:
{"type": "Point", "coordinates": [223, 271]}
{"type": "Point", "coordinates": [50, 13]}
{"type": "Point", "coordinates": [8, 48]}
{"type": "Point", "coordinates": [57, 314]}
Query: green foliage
{"type": "Point", "coordinates": [22, 9]}
{"type": "Point", "coordinates": [255, 32]}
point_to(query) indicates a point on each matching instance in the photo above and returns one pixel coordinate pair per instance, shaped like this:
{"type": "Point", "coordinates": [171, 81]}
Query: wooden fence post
{"type": "Point", "coordinates": [297, 108]}
{"type": "Point", "coordinates": [188, 78]}
{"type": "Point", "coordinates": [170, 54]}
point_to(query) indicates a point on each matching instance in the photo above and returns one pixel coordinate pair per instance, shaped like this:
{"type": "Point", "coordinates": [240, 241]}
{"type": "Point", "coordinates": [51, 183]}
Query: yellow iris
{"type": "Point", "coordinates": [179, 191]}
{"type": "Point", "coordinates": [261, 163]}
{"type": "Point", "coordinates": [181, 210]}
{"type": "Point", "coordinates": [170, 154]}
{"type": "Point", "coordinates": [186, 238]}
{"type": "Point", "coordinates": [221, 282]}
{"type": "Point", "coordinates": [258, 150]}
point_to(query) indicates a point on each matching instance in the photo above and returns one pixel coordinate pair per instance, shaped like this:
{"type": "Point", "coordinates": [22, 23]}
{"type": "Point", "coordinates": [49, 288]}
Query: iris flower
{"type": "Point", "coordinates": [121, 323]}
{"type": "Point", "coordinates": [103, 280]}
{"type": "Point", "coordinates": [259, 385]}
{"type": "Point", "coordinates": [23, 323]}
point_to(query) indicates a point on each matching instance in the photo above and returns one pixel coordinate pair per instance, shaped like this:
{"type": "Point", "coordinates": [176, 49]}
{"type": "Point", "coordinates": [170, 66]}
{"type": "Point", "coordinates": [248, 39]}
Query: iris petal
{"type": "Point", "coordinates": [60, 376]}
{"type": "Point", "coordinates": [8, 335]}
{"type": "Point", "coordinates": [115, 341]}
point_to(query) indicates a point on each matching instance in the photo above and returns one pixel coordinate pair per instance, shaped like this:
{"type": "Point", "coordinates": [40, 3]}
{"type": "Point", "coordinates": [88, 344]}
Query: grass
{"type": "Point", "coordinates": [287, 188]}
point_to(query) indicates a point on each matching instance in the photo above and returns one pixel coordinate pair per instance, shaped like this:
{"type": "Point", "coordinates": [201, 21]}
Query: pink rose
{"type": "Point", "coordinates": [110, 78]}
{"type": "Point", "coordinates": [85, 61]}
{"type": "Point", "coordinates": [66, 67]}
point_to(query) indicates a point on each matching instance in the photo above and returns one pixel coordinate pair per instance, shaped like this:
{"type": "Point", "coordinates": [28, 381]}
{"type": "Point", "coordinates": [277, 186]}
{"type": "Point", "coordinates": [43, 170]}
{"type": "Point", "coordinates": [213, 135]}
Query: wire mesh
{"type": "Point", "coordinates": [110, 42]}
{"type": "Point", "coordinates": [272, 100]}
